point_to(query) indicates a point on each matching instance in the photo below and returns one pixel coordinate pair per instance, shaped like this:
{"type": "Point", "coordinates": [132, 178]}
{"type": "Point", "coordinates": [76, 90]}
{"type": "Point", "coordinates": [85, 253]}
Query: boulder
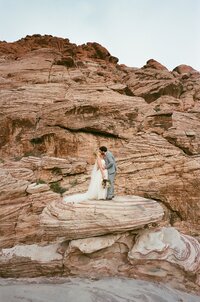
{"type": "Point", "coordinates": [94, 218]}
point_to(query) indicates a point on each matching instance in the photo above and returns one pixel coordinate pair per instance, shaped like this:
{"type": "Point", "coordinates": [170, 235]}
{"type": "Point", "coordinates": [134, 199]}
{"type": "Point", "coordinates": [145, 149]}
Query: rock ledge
{"type": "Point", "coordinates": [98, 217]}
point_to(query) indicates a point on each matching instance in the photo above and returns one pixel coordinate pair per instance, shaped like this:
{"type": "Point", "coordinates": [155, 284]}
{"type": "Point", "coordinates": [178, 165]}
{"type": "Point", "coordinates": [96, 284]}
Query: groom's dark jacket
{"type": "Point", "coordinates": [110, 163]}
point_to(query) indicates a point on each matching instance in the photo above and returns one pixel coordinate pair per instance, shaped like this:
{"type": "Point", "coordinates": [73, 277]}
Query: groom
{"type": "Point", "coordinates": [111, 167]}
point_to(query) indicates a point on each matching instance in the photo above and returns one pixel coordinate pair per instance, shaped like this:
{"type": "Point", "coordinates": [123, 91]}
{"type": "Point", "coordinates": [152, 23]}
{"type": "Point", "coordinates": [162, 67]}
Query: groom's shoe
{"type": "Point", "coordinates": [109, 198]}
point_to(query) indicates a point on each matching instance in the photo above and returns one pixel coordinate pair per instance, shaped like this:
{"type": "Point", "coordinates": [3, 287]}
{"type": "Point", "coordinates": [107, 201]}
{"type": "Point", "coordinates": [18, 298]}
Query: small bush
{"type": "Point", "coordinates": [17, 158]}
{"type": "Point", "coordinates": [57, 171]}
{"type": "Point", "coordinates": [29, 153]}
{"type": "Point", "coordinates": [40, 181]}
{"type": "Point", "coordinates": [37, 140]}
{"type": "Point", "coordinates": [66, 61]}
{"type": "Point", "coordinates": [55, 187]}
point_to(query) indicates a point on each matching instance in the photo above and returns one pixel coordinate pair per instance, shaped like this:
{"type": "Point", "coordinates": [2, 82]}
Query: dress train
{"type": "Point", "coordinates": [95, 190]}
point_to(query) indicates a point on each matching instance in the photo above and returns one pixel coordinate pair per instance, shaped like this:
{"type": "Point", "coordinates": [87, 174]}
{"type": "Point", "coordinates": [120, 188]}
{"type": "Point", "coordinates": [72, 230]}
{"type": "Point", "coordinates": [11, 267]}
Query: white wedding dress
{"type": "Point", "coordinates": [95, 189]}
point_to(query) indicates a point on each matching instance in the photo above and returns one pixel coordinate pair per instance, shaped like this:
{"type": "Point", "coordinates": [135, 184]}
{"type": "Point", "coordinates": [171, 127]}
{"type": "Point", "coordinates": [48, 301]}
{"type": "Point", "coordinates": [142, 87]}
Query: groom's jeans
{"type": "Point", "coordinates": [110, 191]}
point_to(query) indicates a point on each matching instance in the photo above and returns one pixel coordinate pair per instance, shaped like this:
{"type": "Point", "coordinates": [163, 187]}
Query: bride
{"type": "Point", "coordinates": [95, 189]}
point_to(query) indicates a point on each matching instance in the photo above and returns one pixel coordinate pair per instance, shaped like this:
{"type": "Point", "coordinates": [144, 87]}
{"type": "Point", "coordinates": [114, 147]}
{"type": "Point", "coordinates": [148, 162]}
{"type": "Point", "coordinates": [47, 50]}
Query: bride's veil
{"type": "Point", "coordinates": [90, 193]}
{"type": "Point", "coordinates": [92, 187]}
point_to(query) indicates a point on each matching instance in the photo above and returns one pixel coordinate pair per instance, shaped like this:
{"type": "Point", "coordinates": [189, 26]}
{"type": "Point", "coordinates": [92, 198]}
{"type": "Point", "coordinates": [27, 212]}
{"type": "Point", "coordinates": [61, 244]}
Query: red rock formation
{"type": "Point", "coordinates": [155, 65]}
{"type": "Point", "coordinates": [63, 46]}
{"type": "Point", "coordinates": [59, 102]}
{"type": "Point", "coordinates": [184, 69]}
{"type": "Point", "coordinates": [51, 107]}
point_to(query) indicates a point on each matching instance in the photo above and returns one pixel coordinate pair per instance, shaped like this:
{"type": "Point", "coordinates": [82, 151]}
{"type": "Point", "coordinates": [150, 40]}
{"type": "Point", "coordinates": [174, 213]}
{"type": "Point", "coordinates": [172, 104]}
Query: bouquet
{"type": "Point", "coordinates": [106, 183]}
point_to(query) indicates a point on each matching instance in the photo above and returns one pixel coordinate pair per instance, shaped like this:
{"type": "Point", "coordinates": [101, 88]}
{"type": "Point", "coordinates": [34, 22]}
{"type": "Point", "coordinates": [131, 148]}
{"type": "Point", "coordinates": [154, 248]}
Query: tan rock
{"type": "Point", "coordinates": [34, 252]}
{"type": "Point", "coordinates": [152, 84]}
{"type": "Point", "coordinates": [37, 188]}
{"type": "Point", "coordinates": [91, 245]}
{"type": "Point", "coordinates": [184, 69]}
{"type": "Point", "coordinates": [66, 166]}
{"type": "Point", "coordinates": [19, 221]}
{"type": "Point", "coordinates": [154, 64]}
{"type": "Point", "coordinates": [185, 133]}
{"type": "Point", "coordinates": [151, 264]}
{"type": "Point", "coordinates": [11, 187]}
{"type": "Point", "coordinates": [108, 261]}
{"type": "Point", "coordinates": [17, 172]}
{"type": "Point", "coordinates": [169, 245]}
{"type": "Point", "coordinates": [30, 260]}
{"type": "Point", "coordinates": [59, 103]}
{"type": "Point", "coordinates": [94, 218]}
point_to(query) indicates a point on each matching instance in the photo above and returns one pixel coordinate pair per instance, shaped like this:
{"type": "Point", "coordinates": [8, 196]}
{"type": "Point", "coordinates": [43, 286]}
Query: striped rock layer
{"type": "Point", "coordinates": [94, 218]}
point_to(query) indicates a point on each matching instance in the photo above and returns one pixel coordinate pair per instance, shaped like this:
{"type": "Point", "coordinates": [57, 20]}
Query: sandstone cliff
{"type": "Point", "coordinates": [59, 102]}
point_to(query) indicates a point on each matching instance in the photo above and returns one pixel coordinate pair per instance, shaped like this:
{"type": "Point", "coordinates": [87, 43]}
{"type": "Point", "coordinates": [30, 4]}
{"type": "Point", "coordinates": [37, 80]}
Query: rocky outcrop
{"type": "Point", "coordinates": [66, 224]}
{"type": "Point", "coordinates": [30, 261]}
{"type": "Point", "coordinates": [166, 249]}
{"type": "Point", "coordinates": [95, 218]}
{"type": "Point", "coordinates": [27, 186]}
{"type": "Point", "coordinates": [60, 102]}
{"type": "Point", "coordinates": [168, 244]}
{"type": "Point", "coordinates": [70, 53]}
{"type": "Point", "coordinates": [159, 254]}
{"type": "Point", "coordinates": [155, 65]}
{"type": "Point", "coordinates": [184, 69]}
{"type": "Point", "coordinates": [150, 83]}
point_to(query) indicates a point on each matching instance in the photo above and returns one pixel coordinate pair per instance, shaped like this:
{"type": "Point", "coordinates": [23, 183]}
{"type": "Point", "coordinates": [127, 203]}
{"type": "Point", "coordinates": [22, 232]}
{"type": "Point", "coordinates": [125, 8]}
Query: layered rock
{"type": "Point", "coordinates": [30, 261]}
{"type": "Point", "coordinates": [169, 245]}
{"type": "Point", "coordinates": [27, 186]}
{"type": "Point", "coordinates": [151, 83]}
{"type": "Point", "coordinates": [69, 53]}
{"type": "Point", "coordinates": [62, 111]}
{"type": "Point", "coordinates": [60, 102]}
{"type": "Point", "coordinates": [158, 254]}
{"type": "Point", "coordinates": [95, 218]}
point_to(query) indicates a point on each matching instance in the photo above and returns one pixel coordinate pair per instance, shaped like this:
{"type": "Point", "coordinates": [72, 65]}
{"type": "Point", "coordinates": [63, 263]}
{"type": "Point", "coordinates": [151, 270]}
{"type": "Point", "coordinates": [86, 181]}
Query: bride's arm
{"type": "Point", "coordinates": [99, 163]}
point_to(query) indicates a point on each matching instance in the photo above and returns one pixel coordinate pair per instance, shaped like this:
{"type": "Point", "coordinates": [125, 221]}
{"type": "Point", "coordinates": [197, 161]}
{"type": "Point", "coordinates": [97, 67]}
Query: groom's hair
{"type": "Point", "coordinates": [103, 149]}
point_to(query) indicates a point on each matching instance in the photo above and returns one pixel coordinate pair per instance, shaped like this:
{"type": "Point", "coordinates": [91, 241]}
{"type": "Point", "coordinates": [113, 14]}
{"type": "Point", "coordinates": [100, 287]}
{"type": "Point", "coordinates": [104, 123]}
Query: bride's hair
{"type": "Point", "coordinates": [96, 153]}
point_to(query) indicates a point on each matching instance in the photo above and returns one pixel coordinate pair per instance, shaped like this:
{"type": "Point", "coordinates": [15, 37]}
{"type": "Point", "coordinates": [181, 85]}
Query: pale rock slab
{"type": "Point", "coordinates": [91, 245]}
{"type": "Point", "coordinates": [98, 217]}
{"type": "Point", "coordinates": [34, 252]}
{"type": "Point", "coordinates": [37, 188]}
{"type": "Point", "coordinates": [30, 261]}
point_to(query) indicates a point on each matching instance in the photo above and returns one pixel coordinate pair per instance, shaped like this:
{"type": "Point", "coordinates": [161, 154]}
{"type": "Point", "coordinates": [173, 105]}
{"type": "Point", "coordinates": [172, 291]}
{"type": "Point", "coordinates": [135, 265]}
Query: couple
{"type": "Point", "coordinates": [104, 169]}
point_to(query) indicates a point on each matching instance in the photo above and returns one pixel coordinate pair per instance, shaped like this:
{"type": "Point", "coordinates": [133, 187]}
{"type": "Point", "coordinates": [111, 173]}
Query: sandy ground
{"type": "Point", "coordinates": [84, 290]}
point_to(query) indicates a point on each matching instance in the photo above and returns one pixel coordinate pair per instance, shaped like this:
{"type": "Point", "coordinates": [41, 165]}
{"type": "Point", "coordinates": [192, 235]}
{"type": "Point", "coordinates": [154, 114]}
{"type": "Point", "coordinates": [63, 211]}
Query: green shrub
{"type": "Point", "coordinates": [55, 187]}
{"type": "Point", "coordinates": [37, 140]}
{"type": "Point", "coordinates": [29, 153]}
{"type": "Point", "coordinates": [40, 181]}
{"type": "Point", "coordinates": [17, 158]}
{"type": "Point", "coordinates": [57, 170]}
